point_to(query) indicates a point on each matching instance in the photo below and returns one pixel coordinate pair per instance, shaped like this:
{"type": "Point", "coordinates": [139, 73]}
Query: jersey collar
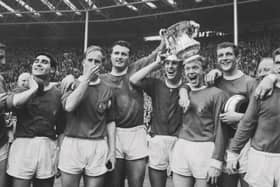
{"type": "Point", "coordinates": [236, 76]}
{"type": "Point", "coordinates": [173, 85]}
{"type": "Point", "coordinates": [118, 74]}
{"type": "Point", "coordinates": [197, 89]}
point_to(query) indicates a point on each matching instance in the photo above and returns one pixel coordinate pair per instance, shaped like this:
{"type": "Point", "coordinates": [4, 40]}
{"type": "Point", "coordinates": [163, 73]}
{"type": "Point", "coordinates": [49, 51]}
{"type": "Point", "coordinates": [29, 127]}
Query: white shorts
{"type": "Point", "coordinates": [243, 159]}
{"type": "Point", "coordinates": [32, 157]}
{"type": "Point", "coordinates": [4, 152]}
{"type": "Point", "coordinates": [192, 158]}
{"type": "Point", "coordinates": [83, 155]}
{"type": "Point", "coordinates": [131, 143]}
{"type": "Point", "coordinates": [263, 169]}
{"type": "Point", "coordinates": [160, 148]}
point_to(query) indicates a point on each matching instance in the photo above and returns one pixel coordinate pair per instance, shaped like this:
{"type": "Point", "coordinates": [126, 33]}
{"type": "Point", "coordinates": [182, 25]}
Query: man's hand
{"type": "Point", "coordinates": [265, 87]}
{"type": "Point", "coordinates": [212, 175]}
{"type": "Point", "coordinates": [231, 117]}
{"type": "Point", "coordinates": [67, 83]}
{"type": "Point", "coordinates": [162, 44]}
{"type": "Point", "coordinates": [91, 72]}
{"type": "Point", "coordinates": [184, 100]}
{"type": "Point", "coordinates": [232, 162]}
{"type": "Point", "coordinates": [57, 173]}
{"type": "Point", "coordinates": [111, 161]}
{"type": "Point", "coordinates": [32, 84]}
{"type": "Point", "coordinates": [212, 76]}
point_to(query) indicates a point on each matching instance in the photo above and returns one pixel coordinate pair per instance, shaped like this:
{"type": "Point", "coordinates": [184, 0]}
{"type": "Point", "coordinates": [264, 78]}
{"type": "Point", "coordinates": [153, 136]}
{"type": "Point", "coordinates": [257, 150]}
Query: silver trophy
{"type": "Point", "coordinates": [180, 40]}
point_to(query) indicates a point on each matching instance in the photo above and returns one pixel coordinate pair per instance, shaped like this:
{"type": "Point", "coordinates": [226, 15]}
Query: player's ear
{"type": "Point", "coordinates": [83, 61]}
{"type": "Point", "coordinates": [238, 58]}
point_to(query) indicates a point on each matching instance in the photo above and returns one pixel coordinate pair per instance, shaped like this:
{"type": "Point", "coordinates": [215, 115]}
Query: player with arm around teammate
{"type": "Point", "coordinates": [198, 154]}
{"type": "Point", "coordinates": [261, 124]}
{"type": "Point", "coordinates": [167, 113]}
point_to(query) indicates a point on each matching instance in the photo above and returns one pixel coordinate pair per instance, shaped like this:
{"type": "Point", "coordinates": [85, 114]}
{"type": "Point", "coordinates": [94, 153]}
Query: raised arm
{"type": "Point", "coordinates": [70, 101]}
{"type": "Point", "coordinates": [265, 87]}
{"type": "Point", "coordinates": [142, 62]}
{"type": "Point", "coordinates": [21, 98]}
{"type": "Point", "coordinates": [137, 77]}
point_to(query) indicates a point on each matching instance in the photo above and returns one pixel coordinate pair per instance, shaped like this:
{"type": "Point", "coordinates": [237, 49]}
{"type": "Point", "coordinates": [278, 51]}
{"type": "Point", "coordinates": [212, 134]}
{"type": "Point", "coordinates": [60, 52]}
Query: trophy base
{"type": "Point", "coordinates": [188, 52]}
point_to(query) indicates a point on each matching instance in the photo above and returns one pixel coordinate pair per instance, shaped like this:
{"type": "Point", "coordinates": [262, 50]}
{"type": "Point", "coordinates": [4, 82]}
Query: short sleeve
{"type": "Point", "coordinates": [111, 111]}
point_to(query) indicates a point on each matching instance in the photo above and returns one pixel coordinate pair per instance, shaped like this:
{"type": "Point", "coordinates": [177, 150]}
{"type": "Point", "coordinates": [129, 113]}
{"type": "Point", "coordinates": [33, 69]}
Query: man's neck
{"type": "Point", "coordinates": [44, 80]}
{"type": "Point", "coordinates": [116, 72]}
{"type": "Point", "coordinates": [173, 84]}
{"type": "Point", "coordinates": [198, 88]}
{"type": "Point", "coordinates": [232, 75]}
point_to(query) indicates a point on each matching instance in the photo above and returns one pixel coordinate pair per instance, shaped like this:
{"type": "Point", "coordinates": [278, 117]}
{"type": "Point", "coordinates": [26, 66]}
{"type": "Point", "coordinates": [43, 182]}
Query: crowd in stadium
{"type": "Point", "coordinates": [19, 59]}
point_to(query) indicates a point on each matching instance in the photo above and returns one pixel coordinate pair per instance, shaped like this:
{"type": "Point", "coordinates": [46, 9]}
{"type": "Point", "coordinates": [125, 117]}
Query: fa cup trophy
{"type": "Point", "coordinates": [180, 40]}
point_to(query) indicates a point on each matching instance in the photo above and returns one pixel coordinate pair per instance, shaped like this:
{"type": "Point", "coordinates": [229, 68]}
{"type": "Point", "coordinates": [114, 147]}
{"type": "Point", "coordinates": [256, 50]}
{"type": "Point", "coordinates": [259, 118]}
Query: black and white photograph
{"type": "Point", "coordinates": [139, 93]}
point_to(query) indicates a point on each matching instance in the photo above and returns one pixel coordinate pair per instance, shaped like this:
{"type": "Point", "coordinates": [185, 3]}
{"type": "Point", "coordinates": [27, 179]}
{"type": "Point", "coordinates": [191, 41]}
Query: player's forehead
{"type": "Point", "coordinates": [171, 62]}
{"type": "Point", "coordinates": [224, 50]}
{"type": "Point", "coordinates": [194, 63]}
{"type": "Point", "coordinates": [43, 57]}
{"type": "Point", "coordinates": [119, 48]}
{"type": "Point", "coordinates": [95, 54]}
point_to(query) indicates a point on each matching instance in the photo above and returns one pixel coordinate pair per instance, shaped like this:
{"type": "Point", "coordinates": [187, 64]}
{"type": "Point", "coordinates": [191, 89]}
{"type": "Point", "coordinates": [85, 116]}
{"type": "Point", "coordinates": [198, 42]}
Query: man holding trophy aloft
{"type": "Point", "coordinates": [173, 133]}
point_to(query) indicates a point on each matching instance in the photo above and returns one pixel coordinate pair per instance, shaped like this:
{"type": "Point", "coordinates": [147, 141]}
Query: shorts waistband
{"type": "Point", "coordinates": [196, 142]}
{"type": "Point", "coordinates": [34, 138]}
{"type": "Point", "coordinates": [131, 129]}
{"type": "Point", "coordinates": [265, 153]}
{"type": "Point", "coordinates": [85, 139]}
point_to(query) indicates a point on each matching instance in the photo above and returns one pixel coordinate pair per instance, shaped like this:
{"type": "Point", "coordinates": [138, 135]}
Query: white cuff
{"type": "Point", "coordinates": [232, 156]}
{"type": "Point", "coordinates": [215, 163]}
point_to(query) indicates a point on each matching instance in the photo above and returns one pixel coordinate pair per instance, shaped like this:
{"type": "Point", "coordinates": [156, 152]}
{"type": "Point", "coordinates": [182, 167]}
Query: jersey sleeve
{"type": "Point", "coordinates": [246, 126]}
{"type": "Point", "coordinates": [111, 110]}
{"type": "Point", "coordinates": [10, 97]}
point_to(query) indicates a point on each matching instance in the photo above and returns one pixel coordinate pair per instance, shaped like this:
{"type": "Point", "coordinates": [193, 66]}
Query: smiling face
{"type": "Point", "coordinates": [172, 70]}
{"type": "Point", "coordinates": [226, 59]}
{"type": "Point", "coordinates": [41, 66]}
{"type": "Point", "coordinates": [194, 73]}
{"type": "Point", "coordinates": [120, 57]}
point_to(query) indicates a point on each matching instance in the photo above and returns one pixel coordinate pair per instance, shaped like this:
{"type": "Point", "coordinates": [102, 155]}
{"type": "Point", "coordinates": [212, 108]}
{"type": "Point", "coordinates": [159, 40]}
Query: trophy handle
{"type": "Point", "coordinates": [162, 33]}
